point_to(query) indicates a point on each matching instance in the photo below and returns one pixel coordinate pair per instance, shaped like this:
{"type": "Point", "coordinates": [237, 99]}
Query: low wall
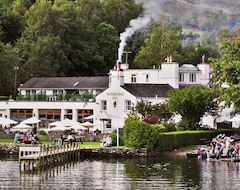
{"type": "Point", "coordinates": [113, 152]}
{"type": "Point", "coordinates": [9, 149]}
{"type": "Point", "coordinates": [86, 152]}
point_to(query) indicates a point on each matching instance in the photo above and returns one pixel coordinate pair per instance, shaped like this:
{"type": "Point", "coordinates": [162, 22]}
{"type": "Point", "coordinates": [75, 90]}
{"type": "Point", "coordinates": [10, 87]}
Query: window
{"type": "Point", "coordinates": [134, 78]}
{"type": "Point", "coordinates": [147, 77]}
{"type": "Point", "coordinates": [20, 114]}
{"type": "Point", "coordinates": [48, 115]}
{"type": "Point", "coordinates": [103, 105]}
{"type": "Point", "coordinates": [55, 92]}
{"type": "Point", "coordinates": [181, 77]}
{"type": "Point", "coordinates": [127, 105]}
{"type": "Point", "coordinates": [192, 77]}
{"type": "Point", "coordinates": [109, 124]}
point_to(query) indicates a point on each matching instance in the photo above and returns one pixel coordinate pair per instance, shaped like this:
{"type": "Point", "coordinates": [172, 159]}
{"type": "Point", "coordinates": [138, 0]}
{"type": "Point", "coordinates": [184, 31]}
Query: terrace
{"type": "Point", "coordinates": [83, 97]}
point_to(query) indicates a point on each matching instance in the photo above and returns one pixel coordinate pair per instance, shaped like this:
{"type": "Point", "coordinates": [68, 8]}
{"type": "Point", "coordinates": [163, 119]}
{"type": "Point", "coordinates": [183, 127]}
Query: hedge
{"type": "Point", "coordinates": [174, 140]}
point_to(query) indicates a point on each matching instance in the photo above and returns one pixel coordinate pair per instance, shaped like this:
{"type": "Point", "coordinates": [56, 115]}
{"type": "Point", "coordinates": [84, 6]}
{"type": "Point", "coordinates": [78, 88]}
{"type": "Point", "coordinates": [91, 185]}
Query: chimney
{"type": "Point", "coordinates": [203, 58]}
{"type": "Point", "coordinates": [119, 66]}
{"type": "Point", "coordinates": [170, 58]}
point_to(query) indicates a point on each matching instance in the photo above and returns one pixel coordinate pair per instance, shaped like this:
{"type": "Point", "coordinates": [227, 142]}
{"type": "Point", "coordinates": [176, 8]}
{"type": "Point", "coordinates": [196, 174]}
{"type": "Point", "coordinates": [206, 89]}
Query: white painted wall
{"type": "Point", "coordinates": [168, 73]}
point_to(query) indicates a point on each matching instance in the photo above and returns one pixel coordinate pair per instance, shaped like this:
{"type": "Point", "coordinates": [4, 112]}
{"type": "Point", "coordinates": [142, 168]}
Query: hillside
{"type": "Point", "coordinates": [200, 19]}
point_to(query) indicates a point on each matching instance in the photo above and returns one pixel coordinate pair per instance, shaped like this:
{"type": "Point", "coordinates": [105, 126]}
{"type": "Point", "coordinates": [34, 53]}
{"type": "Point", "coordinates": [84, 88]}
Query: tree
{"type": "Point", "coordinates": [89, 11]}
{"type": "Point", "coordinates": [108, 40]}
{"type": "Point", "coordinates": [155, 112]}
{"type": "Point", "coordinates": [8, 59]}
{"type": "Point", "coordinates": [225, 33]}
{"type": "Point", "coordinates": [12, 21]}
{"type": "Point", "coordinates": [193, 54]}
{"type": "Point", "coordinates": [192, 103]}
{"type": "Point", "coordinates": [119, 12]}
{"type": "Point", "coordinates": [163, 40]}
{"type": "Point", "coordinates": [226, 70]}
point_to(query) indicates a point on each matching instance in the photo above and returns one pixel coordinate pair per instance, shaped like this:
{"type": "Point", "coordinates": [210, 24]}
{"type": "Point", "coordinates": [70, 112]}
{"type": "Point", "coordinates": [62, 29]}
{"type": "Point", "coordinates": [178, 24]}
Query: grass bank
{"type": "Point", "coordinates": [47, 142]}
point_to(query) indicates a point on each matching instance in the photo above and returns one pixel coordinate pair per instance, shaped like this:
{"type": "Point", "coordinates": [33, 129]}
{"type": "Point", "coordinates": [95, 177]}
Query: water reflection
{"type": "Point", "coordinates": [166, 172]}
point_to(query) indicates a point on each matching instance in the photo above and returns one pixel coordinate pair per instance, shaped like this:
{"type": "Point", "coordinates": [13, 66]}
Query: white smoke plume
{"type": "Point", "coordinates": [152, 9]}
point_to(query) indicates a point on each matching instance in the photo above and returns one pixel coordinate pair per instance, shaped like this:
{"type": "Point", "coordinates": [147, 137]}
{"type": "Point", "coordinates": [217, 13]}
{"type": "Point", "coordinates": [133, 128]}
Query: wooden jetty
{"type": "Point", "coordinates": [43, 157]}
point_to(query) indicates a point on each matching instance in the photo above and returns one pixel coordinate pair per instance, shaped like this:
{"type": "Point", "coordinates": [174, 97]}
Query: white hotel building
{"type": "Point", "coordinates": [105, 99]}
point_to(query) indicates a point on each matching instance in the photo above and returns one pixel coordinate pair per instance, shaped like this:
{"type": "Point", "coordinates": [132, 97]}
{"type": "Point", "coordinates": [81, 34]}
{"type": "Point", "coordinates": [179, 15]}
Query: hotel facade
{"type": "Point", "coordinates": [104, 100]}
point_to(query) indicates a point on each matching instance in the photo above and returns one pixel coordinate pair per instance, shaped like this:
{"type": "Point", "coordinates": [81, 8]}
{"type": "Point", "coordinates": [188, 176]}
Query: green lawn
{"type": "Point", "coordinates": [84, 145]}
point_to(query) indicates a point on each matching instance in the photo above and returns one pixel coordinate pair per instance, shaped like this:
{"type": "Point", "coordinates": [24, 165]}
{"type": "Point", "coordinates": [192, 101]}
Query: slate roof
{"type": "Point", "coordinates": [93, 82]}
{"type": "Point", "coordinates": [148, 90]}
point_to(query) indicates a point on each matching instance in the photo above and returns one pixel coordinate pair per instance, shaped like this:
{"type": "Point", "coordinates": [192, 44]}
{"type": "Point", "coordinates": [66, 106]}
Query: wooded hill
{"type": "Point", "coordinates": [48, 38]}
{"type": "Point", "coordinates": [201, 19]}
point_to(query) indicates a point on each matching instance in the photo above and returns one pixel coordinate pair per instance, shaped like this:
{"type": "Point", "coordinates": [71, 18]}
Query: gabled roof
{"type": "Point", "coordinates": [96, 82]}
{"type": "Point", "coordinates": [148, 90]}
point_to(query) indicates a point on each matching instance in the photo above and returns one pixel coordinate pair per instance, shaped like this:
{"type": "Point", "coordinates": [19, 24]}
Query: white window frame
{"type": "Point", "coordinates": [192, 77]}
{"type": "Point", "coordinates": [103, 105]}
{"type": "Point", "coordinates": [28, 92]}
{"type": "Point", "coordinates": [133, 78]}
{"type": "Point", "coordinates": [181, 77]}
{"type": "Point", "coordinates": [128, 105]}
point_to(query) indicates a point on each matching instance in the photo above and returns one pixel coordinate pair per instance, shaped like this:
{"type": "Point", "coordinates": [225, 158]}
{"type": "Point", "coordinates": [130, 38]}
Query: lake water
{"type": "Point", "coordinates": [173, 172]}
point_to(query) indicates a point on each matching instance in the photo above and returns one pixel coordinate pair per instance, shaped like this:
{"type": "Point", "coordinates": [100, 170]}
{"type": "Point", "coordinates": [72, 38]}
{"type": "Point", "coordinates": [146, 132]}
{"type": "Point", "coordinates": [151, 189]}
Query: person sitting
{"type": "Point", "coordinates": [236, 151]}
{"type": "Point", "coordinates": [26, 139]}
{"type": "Point", "coordinates": [17, 138]}
{"type": "Point", "coordinates": [103, 141]}
{"type": "Point", "coordinates": [36, 140]}
{"type": "Point", "coordinates": [198, 151]}
{"type": "Point", "coordinates": [70, 139]}
{"type": "Point", "coordinates": [108, 141]}
{"type": "Point", "coordinates": [74, 140]}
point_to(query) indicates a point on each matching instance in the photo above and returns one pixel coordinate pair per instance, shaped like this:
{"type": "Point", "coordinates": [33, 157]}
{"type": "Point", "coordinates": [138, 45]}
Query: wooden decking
{"type": "Point", "coordinates": [41, 157]}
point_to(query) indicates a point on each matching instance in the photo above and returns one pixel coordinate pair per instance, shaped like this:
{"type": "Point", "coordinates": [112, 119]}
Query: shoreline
{"type": "Point", "coordinates": [13, 150]}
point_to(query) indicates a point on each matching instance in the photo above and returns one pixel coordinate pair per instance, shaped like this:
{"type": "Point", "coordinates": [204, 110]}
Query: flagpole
{"type": "Point", "coordinates": [118, 70]}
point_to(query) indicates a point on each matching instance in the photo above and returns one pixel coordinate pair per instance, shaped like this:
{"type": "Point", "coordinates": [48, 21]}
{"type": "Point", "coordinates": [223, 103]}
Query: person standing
{"type": "Point", "coordinates": [53, 140]}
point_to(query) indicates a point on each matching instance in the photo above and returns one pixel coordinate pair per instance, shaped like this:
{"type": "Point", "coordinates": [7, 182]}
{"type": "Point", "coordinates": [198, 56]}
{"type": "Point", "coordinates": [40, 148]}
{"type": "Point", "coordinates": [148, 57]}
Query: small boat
{"type": "Point", "coordinates": [204, 155]}
{"type": "Point", "coordinates": [230, 160]}
{"type": "Point", "coordinates": [195, 155]}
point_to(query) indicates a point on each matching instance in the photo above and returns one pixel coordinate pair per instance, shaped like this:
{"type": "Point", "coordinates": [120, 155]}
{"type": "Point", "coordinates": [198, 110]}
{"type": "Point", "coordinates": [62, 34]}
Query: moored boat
{"type": "Point", "coordinates": [195, 155]}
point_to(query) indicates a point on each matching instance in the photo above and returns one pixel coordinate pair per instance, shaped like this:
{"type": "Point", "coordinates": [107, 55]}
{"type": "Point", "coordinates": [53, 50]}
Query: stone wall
{"type": "Point", "coordinates": [113, 152]}
{"type": "Point", "coordinates": [11, 149]}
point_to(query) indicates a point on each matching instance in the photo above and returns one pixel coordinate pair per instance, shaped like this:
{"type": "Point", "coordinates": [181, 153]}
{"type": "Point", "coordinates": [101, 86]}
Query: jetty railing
{"type": "Point", "coordinates": [45, 156]}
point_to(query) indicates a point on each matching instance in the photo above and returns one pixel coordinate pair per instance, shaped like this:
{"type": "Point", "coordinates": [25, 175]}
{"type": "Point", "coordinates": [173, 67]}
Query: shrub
{"type": "Point", "coordinates": [170, 127]}
{"type": "Point", "coordinates": [138, 134]}
{"type": "Point", "coordinates": [42, 132]}
{"type": "Point", "coordinates": [153, 119]}
{"type": "Point", "coordinates": [181, 126]}
{"type": "Point", "coordinates": [114, 139]}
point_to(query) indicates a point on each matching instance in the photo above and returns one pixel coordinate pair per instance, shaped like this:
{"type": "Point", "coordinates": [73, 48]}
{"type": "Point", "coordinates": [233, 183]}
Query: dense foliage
{"type": "Point", "coordinates": [226, 72]}
{"type": "Point", "coordinates": [138, 134]}
{"type": "Point", "coordinates": [153, 113]}
{"type": "Point", "coordinates": [81, 38]}
{"type": "Point", "coordinates": [192, 103]}
{"type": "Point", "coordinates": [60, 38]}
